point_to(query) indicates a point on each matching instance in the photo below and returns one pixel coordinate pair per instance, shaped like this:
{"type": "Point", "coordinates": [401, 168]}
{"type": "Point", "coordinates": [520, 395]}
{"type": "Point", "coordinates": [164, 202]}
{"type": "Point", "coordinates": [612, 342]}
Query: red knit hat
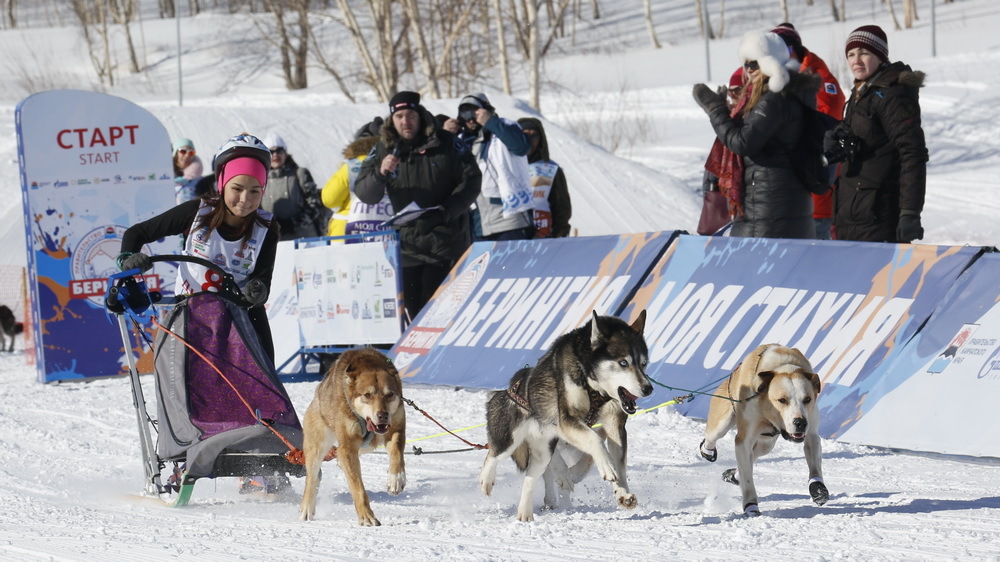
{"type": "Point", "coordinates": [736, 80]}
{"type": "Point", "coordinates": [870, 37]}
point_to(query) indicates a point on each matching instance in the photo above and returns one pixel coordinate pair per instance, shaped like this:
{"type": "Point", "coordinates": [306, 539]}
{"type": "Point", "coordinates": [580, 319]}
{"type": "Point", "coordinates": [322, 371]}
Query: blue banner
{"type": "Point", "coordinates": [848, 306]}
{"type": "Point", "coordinates": [939, 393]}
{"type": "Point", "coordinates": [505, 302]}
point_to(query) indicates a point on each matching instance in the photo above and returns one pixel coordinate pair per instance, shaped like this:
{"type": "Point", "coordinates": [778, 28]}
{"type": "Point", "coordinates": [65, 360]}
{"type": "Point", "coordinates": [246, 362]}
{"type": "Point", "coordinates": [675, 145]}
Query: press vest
{"type": "Point", "coordinates": [542, 174]}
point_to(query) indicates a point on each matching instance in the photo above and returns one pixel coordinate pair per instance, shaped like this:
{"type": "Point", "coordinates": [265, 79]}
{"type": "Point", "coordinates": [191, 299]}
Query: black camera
{"type": "Point", "coordinates": [844, 148]}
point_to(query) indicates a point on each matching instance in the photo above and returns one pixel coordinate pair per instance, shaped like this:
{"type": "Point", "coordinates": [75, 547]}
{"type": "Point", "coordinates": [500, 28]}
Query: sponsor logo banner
{"type": "Point", "coordinates": [938, 394]}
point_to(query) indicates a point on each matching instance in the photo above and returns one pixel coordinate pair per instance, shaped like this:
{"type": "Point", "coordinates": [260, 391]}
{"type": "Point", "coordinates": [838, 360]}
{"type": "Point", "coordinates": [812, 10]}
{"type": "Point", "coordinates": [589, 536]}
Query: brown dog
{"type": "Point", "coordinates": [358, 406]}
{"type": "Point", "coordinates": [771, 393]}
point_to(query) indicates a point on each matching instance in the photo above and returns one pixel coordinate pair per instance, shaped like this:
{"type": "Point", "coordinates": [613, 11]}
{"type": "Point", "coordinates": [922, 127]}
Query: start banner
{"type": "Point", "coordinates": [91, 165]}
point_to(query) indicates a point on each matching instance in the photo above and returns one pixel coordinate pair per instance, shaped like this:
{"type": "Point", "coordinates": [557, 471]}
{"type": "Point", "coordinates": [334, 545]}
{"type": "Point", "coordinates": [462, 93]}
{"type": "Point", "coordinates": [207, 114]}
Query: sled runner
{"type": "Point", "coordinates": [220, 408]}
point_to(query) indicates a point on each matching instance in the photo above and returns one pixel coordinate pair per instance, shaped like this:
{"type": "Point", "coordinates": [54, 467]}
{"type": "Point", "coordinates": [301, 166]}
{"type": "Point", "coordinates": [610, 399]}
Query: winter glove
{"type": "Point", "coordinates": [255, 292]}
{"type": "Point", "coordinates": [139, 260]}
{"type": "Point", "coordinates": [909, 228]}
{"type": "Point", "coordinates": [708, 100]}
{"type": "Point", "coordinates": [180, 180]}
{"type": "Point", "coordinates": [431, 220]}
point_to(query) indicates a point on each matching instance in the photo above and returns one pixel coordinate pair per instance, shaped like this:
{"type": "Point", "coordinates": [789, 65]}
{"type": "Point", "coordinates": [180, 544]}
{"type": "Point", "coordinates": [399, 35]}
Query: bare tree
{"type": "Point", "coordinates": [292, 41]}
{"type": "Point", "coordinates": [416, 27]}
{"type": "Point", "coordinates": [892, 14]}
{"type": "Point", "coordinates": [648, 11]}
{"type": "Point", "coordinates": [502, 47]}
{"type": "Point", "coordinates": [704, 24]}
{"type": "Point", "coordinates": [167, 8]}
{"type": "Point", "coordinates": [833, 10]}
{"type": "Point", "coordinates": [909, 13]}
{"type": "Point", "coordinates": [784, 10]}
{"type": "Point", "coordinates": [93, 18]}
{"type": "Point", "coordinates": [9, 13]}
{"type": "Point", "coordinates": [533, 71]}
{"type": "Point", "coordinates": [123, 11]}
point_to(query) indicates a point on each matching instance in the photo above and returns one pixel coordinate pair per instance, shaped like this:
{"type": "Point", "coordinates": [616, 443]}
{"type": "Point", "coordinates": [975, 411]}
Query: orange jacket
{"type": "Point", "coordinates": [830, 100]}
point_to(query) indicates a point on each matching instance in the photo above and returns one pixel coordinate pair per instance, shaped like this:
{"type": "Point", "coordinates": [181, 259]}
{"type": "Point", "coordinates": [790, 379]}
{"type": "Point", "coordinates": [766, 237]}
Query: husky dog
{"type": "Point", "coordinates": [592, 374]}
{"type": "Point", "coordinates": [771, 393]}
{"type": "Point", "coordinates": [9, 327]}
{"type": "Point", "coordinates": [358, 406]}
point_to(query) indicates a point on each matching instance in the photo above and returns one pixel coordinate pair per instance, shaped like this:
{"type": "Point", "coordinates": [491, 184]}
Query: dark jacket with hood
{"type": "Point", "coordinates": [559, 200]}
{"type": "Point", "coordinates": [292, 196]}
{"type": "Point", "coordinates": [776, 203]}
{"type": "Point", "coordinates": [888, 175]}
{"type": "Point", "coordinates": [433, 170]}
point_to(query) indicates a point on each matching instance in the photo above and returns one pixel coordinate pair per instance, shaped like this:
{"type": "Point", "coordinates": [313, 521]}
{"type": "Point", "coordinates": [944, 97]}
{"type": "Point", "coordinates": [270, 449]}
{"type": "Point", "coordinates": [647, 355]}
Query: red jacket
{"type": "Point", "coordinates": [830, 100]}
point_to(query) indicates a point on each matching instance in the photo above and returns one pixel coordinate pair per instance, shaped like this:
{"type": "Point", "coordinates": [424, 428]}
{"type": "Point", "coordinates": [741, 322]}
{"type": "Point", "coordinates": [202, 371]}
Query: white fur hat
{"type": "Point", "coordinates": [770, 52]}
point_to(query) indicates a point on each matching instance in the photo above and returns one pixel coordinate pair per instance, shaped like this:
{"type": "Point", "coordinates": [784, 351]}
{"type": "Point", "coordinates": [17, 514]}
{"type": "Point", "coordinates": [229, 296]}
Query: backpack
{"type": "Point", "coordinates": [807, 156]}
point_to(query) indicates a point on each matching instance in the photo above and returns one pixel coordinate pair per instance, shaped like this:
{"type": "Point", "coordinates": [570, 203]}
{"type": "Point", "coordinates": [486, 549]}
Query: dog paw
{"type": "Point", "coordinates": [396, 483]}
{"type": "Point", "coordinates": [368, 520]}
{"type": "Point", "coordinates": [818, 491]}
{"type": "Point", "coordinates": [525, 517]}
{"type": "Point", "coordinates": [307, 514]}
{"type": "Point", "coordinates": [628, 501]}
{"type": "Point", "coordinates": [751, 510]}
{"type": "Point", "coordinates": [607, 471]}
{"type": "Point", "coordinates": [730, 476]}
{"type": "Point", "coordinates": [708, 454]}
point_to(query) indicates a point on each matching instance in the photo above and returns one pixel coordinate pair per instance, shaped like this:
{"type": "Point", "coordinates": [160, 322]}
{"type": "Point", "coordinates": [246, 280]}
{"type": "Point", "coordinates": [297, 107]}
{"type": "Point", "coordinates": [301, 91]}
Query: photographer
{"type": "Point", "coordinates": [503, 210]}
{"type": "Point", "coordinates": [880, 193]}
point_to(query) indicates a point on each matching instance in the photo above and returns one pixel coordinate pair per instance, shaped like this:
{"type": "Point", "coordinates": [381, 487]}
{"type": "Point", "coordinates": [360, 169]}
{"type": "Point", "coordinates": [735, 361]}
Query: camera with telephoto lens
{"type": "Point", "coordinates": [844, 148]}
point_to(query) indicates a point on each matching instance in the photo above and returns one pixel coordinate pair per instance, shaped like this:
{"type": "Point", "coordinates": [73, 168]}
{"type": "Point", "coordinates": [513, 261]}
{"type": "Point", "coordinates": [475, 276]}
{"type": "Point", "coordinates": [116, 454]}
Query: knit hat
{"type": "Point", "coordinates": [404, 100]}
{"type": "Point", "coordinates": [788, 35]}
{"type": "Point", "coordinates": [478, 100]}
{"type": "Point", "coordinates": [736, 80]}
{"type": "Point", "coordinates": [181, 143]}
{"type": "Point", "coordinates": [870, 37]}
{"type": "Point", "coordinates": [771, 54]}
{"type": "Point", "coordinates": [243, 166]}
{"type": "Point", "coordinates": [273, 141]}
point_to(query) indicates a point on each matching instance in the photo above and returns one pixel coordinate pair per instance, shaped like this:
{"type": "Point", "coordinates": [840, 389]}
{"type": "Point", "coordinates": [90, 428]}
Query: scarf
{"type": "Point", "coordinates": [728, 166]}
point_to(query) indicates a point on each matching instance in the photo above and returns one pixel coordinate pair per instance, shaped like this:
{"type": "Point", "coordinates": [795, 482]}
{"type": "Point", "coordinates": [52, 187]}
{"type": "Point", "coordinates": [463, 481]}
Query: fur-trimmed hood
{"type": "Point", "coordinates": [898, 72]}
{"type": "Point", "coordinates": [803, 87]}
{"type": "Point", "coordinates": [359, 147]}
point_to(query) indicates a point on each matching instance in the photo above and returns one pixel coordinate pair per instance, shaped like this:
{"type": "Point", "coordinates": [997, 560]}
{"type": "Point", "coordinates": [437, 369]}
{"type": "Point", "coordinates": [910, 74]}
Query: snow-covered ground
{"type": "Point", "coordinates": [69, 453]}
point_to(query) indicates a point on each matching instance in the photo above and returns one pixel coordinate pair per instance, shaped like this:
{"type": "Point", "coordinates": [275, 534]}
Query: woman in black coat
{"type": "Point", "coordinates": [764, 129]}
{"type": "Point", "coordinates": [880, 193]}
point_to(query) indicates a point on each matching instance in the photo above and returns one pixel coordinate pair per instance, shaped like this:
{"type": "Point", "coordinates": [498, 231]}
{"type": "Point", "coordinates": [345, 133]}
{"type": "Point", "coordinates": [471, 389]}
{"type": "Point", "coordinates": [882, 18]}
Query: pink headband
{"type": "Point", "coordinates": [243, 166]}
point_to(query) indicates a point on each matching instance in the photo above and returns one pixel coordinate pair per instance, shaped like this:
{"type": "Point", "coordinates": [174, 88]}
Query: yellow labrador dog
{"type": "Point", "coordinates": [358, 406]}
{"type": "Point", "coordinates": [772, 392]}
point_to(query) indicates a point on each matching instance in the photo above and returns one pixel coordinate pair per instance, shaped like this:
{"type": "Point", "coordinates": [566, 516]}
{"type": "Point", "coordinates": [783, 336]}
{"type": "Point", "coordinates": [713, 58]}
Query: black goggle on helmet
{"type": "Point", "coordinates": [243, 144]}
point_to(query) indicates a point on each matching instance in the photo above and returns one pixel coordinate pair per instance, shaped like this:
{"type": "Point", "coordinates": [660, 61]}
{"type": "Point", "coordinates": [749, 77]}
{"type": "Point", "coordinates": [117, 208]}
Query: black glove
{"type": "Point", "coordinates": [138, 260]}
{"type": "Point", "coordinates": [830, 142]}
{"type": "Point", "coordinates": [431, 220]}
{"type": "Point", "coordinates": [909, 228]}
{"type": "Point", "coordinates": [707, 99]}
{"type": "Point", "coordinates": [255, 292]}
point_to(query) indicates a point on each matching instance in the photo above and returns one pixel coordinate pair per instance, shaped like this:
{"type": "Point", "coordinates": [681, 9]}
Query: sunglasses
{"type": "Point", "coordinates": [277, 151]}
{"type": "Point", "coordinates": [185, 151]}
{"type": "Point", "coordinates": [751, 65]}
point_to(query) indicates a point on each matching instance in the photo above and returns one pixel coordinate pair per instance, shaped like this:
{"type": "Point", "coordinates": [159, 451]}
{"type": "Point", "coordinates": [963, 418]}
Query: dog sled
{"type": "Point", "coordinates": [220, 409]}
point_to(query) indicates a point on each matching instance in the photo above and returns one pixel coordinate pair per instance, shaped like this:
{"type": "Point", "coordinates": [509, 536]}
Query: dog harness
{"type": "Point", "coordinates": [596, 401]}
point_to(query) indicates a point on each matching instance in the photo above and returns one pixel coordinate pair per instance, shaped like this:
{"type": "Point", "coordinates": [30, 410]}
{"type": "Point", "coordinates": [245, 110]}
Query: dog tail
{"type": "Point", "coordinates": [18, 328]}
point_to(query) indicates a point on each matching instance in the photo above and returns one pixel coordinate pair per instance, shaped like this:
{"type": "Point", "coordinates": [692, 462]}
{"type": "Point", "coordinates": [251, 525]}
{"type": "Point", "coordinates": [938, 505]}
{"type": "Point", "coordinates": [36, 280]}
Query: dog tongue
{"type": "Point", "coordinates": [369, 425]}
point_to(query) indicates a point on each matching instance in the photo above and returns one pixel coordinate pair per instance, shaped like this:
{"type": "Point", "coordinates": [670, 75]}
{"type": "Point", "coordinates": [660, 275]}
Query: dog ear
{"type": "Point", "coordinates": [595, 330]}
{"type": "Point", "coordinates": [814, 379]}
{"type": "Point", "coordinates": [640, 322]}
{"type": "Point", "coordinates": [765, 381]}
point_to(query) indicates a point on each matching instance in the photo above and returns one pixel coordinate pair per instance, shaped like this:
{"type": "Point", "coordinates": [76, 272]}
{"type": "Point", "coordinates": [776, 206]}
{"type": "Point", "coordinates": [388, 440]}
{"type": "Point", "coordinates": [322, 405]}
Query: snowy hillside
{"type": "Point", "coordinates": [69, 453]}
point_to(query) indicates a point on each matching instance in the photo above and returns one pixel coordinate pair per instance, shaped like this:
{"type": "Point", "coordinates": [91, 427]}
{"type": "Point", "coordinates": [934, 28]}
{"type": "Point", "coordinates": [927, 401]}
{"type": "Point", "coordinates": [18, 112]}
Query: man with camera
{"type": "Point", "coordinates": [504, 208]}
{"type": "Point", "coordinates": [883, 176]}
